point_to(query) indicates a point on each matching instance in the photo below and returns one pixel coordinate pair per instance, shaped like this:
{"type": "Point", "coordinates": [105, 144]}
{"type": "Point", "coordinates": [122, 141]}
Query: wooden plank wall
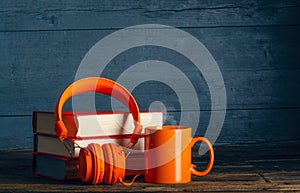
{"type": "Point", "coordinates": [255, 43]}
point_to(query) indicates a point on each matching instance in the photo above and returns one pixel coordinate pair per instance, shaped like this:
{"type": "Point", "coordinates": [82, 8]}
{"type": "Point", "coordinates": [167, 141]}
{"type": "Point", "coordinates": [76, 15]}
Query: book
{"type": "Point", "coordinates": [60, 168]}
{"type": "Point", "coordinates": [85, 124]}
{"type": "Point", "coordinates": [50, 144]}
{"type": "Point", "coordinates": [54, 167]}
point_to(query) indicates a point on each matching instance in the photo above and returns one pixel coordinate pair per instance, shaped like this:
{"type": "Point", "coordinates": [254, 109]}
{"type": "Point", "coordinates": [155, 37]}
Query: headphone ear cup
{"type": "Point", "coordinates": [85, 164]}
{"type": "Point", "coordinates": [116, 163]}
{"type": "Point", "coordinates": [98, 163]}
{"type": "Point", "coordinates": [121, 162]}
{"type": "Point", "coordinates": [91, 164]}
{"type": "Point", "coordinates": [108, 156]}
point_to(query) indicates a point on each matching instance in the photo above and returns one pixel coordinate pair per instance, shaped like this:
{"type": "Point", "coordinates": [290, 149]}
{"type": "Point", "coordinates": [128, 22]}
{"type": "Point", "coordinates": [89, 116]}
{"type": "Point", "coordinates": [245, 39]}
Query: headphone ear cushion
{"type": "Point", "coordinates": [121, 162]}
{"type": "Point", "coordinates": [108, 156]}
{"type": "Point", "coordinates": [98, 163]}
{"type": "Point", "coordinates": [85, 164]}
{"type": "Point", "coordinates": [116, 164]}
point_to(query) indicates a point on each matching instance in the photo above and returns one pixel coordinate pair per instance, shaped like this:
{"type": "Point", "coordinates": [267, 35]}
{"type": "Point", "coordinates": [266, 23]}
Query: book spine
{"type": "Point", "coordinates": [33, 163]}
{"type": "Point", "coordinates": [35, 143]}
{"type": "Point", "coordinates": [34, 120]}
{"type": "Point", "coordinates": [64, 158]}
{"type": "Point", "coordinates": [70, 170]}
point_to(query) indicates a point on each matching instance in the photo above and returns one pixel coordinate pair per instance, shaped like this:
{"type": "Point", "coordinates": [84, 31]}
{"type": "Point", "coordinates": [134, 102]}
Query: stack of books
{"type": "Point", "coordinates": [57, 160]}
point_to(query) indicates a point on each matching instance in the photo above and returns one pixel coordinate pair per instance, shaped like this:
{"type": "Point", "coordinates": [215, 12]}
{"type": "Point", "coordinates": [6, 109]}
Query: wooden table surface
{"type": "Point", "coordinates": [267, 168]}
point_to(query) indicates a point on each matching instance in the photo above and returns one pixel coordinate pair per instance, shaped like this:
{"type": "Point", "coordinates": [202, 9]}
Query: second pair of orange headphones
{"type": "Point", "coordinates": [100, 163]}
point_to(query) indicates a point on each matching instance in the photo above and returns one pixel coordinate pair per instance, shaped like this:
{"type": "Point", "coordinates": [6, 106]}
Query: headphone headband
{"type": "Point", "coordinates": [99, 85]}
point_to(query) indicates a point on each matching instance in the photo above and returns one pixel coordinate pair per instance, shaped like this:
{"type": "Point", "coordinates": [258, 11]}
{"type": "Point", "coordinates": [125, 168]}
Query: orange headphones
{"type": "Point", "coordinates": [100, 163]}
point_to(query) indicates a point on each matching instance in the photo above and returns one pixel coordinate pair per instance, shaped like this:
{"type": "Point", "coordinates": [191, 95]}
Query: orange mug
{"type": "Point", "coordinates": [168, 155]}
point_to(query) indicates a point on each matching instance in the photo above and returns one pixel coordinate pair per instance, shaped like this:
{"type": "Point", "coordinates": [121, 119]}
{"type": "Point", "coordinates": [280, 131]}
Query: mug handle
{"type": "Point", "coordinates": [211, 157]}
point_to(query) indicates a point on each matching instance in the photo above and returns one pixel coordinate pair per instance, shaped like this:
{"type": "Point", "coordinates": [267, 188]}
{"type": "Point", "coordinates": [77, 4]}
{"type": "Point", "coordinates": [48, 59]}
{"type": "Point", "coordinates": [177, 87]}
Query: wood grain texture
{"type": "Point", "coordinates": [236, 169]}
{"type": "Point", "coordinates": [255, 43]}
{"type": "Point", "coordinates": [257, 74]}
{"type": "Point", "coordinates": [27, 16]}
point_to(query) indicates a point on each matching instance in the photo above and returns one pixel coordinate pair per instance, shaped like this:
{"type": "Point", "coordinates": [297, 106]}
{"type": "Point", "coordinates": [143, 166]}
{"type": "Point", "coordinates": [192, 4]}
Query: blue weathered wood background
{"type": "Point", "coordinates": [255, 43]}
